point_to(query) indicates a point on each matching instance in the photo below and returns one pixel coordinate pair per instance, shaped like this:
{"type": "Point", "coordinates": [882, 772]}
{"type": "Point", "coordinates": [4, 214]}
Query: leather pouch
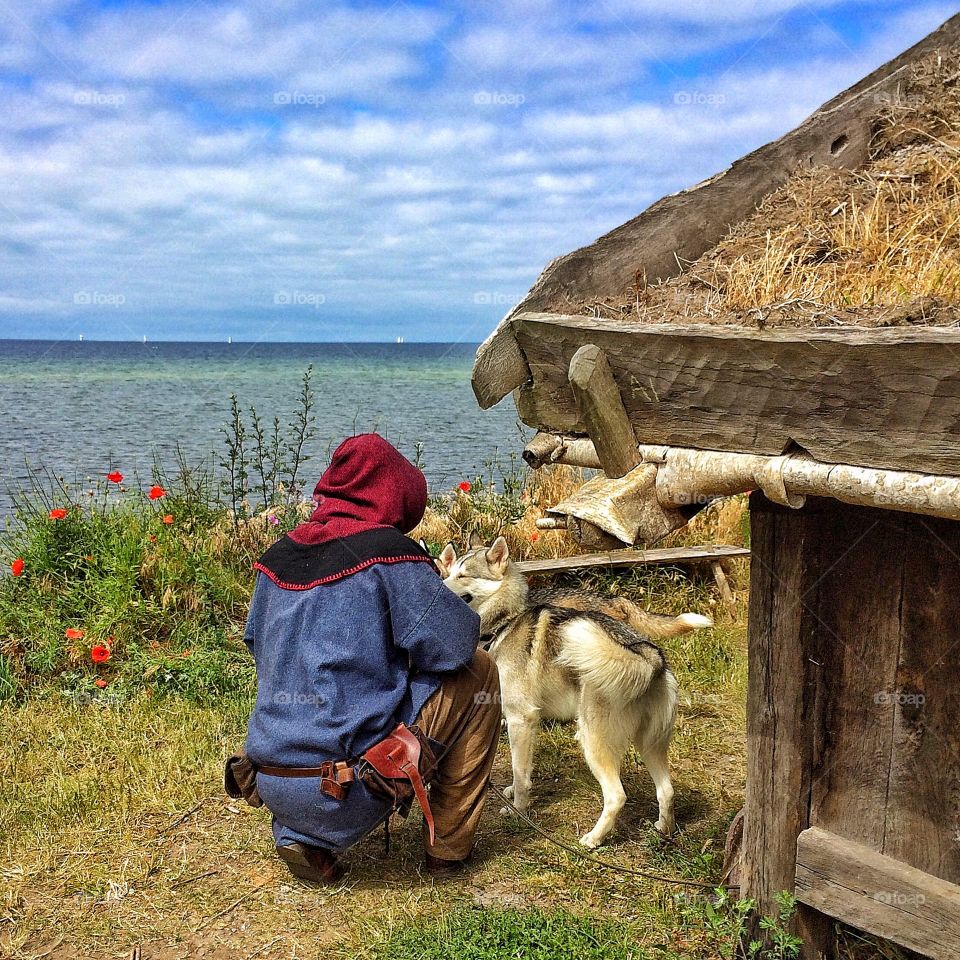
{"type": "Point", "coordinates": [386, 767]}
{"type": "Point", "coordinates": [240, 779]}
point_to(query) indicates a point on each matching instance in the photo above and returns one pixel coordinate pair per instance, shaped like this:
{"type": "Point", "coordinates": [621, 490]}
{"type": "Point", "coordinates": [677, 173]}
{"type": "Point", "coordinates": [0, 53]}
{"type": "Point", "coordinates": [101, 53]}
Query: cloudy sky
{"type": "Point", "coordinates": [360, 171]}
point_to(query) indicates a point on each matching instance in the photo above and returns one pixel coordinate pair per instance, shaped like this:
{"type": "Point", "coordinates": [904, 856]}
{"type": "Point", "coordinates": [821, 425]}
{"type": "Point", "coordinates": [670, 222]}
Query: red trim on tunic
{"type": "Point", "coordinates": [340, 574]}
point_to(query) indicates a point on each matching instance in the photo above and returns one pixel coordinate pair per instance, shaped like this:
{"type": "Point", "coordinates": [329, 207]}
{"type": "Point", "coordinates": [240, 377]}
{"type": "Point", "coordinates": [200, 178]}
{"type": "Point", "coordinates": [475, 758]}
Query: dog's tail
{"type": "Point", "coordinates": [657, 625]}
{"type": "Point", "coordinates": [610, 656]}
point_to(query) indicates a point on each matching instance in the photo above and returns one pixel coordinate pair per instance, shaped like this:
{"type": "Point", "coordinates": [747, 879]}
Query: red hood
{"type": "Point", "coordinates": [368, 484]}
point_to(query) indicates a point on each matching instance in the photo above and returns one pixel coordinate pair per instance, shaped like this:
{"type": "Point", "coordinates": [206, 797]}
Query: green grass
{"type": "Point", "coordinates": [168, 599]}
{"type": "Point", "coordinates": [113, 824]}
{"type": "Point", "coordinates": [492, 934]}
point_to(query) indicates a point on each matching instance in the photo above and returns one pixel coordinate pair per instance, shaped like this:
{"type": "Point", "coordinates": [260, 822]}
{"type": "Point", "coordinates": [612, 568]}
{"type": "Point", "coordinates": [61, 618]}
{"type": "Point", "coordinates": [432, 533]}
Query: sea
{"type": "Point", "coordinates": [82, 409]}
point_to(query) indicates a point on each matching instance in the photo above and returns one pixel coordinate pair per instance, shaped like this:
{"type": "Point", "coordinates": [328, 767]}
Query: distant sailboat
{"type": "Point", "coordinates": [399, 339]}
{"type": "Point", "coordinates": [144, 338]}
{"type": "Point", "coordinates": [229, 339]}
{"type": "Point", "coordinates": [81, 338]}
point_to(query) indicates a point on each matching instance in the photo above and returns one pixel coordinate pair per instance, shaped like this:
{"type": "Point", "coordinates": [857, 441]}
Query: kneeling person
{"type": "Point", "coordinates": [360, 649]}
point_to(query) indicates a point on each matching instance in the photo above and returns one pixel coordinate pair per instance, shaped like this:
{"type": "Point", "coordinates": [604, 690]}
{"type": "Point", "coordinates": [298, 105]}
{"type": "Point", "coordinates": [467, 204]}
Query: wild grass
{"type": "Point", "coordinates": [115, 829]}
{"type": "Point", "coordinates": [162, 584]}
{"type": "Point", "coordinates": [875, 245]}
{"type": "Point", "coordinates": [878, 237]}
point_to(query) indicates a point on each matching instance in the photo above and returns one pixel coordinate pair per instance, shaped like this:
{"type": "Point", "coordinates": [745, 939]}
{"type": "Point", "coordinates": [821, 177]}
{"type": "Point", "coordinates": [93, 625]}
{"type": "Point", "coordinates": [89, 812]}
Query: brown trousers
{"type": "Point", "coordinates": [464, 714]}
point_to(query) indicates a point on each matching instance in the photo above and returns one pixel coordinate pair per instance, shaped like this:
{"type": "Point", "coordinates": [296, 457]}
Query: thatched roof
{"type": "Point", "coordinates": [791, 324]}
{"type": "Point", "coordinates": [621, 275]}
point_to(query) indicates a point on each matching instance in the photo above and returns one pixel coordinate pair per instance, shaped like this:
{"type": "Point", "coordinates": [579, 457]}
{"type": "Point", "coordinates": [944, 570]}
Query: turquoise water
{"type": "Point", "coordinates": [83, 409]}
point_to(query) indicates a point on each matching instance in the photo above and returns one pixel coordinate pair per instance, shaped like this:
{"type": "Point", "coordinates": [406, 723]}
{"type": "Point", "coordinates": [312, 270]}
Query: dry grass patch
{"type": "Point", "coordinates": [875, 246]}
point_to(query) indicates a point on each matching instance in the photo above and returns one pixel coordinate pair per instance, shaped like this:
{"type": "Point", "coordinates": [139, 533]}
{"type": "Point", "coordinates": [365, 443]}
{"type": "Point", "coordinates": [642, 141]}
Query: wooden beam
{"type": "Point", "coordinates": [500, 367]}
{"type": "Point", "coordinates": [546, 448]}
{"type": "Point", "coordinates": [886, 398]}
{"type": "Point", "coordinates": [632, 558]}
{"type": "Point", "coordinates": [601, 408]}
{"type": "Point", "coordinates": [875, 893]}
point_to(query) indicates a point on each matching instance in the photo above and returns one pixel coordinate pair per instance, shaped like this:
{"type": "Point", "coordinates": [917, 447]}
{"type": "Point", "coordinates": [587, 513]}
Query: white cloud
{"type": "Point", "coordinates": [195, 159]}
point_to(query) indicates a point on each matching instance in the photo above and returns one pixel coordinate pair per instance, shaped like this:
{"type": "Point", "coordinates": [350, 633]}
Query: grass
{"type": "Point", "coordinates": [114, 826]}
{"type": "Point", "coordinates": [478, 934]}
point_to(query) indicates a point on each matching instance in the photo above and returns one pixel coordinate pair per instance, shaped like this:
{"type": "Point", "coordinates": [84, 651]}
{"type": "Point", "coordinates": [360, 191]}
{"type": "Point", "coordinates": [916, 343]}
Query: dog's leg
{"type": "Point", "coordinates": [603, 749]}
{"type": "Point", "coordinates": [655, 760]}
{"type": "Point", "coordinates": [522, 729]}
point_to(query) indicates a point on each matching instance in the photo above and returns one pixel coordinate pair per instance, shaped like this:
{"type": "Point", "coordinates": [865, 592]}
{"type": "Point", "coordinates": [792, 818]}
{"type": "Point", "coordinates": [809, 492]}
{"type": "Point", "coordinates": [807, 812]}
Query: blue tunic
{"type": "Point", "coordinates": [338, 667]}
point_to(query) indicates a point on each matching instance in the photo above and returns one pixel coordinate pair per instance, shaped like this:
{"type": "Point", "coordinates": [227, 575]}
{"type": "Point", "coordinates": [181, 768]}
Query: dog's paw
{"type": "Point", "coordinates": [591, 840]}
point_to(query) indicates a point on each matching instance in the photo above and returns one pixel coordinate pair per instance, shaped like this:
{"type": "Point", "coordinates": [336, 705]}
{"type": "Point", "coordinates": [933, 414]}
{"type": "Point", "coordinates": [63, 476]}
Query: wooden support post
{"type": "Point", "coordinates": [851, 714]}
{"type": "Point", "coordinates": [723, 585]}
{"type": "Point", "coordinates": [601, 409]}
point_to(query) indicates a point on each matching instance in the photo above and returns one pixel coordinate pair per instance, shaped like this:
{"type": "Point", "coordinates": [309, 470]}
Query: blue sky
{"type": "Point", "coordinates": [348, 171]}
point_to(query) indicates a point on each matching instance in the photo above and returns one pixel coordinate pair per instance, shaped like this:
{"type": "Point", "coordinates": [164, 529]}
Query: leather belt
{"type": "Point", "coordinates": [396, 759]}
{"type": "Point", "coordinates": [335, 776]}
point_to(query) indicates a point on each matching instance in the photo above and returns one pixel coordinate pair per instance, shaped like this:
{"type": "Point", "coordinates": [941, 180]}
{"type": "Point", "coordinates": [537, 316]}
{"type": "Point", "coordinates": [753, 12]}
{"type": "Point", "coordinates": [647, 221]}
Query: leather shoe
{"type": "Point", "coordinates": [443, 869]}
{"type": "Point", "coordinates": [311, 863]}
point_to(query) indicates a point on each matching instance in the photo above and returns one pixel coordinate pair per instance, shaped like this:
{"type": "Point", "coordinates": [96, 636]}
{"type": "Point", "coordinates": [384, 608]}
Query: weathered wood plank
{"type": "Point", "coordinates": [500, 367]}
{"type": "Point", "coordinates": [683, 225]}
{"type": "Point", "coordinates": [783, 658]}
{"type": "Point", "coordinates": [632, 558]}
{"type": "Point", "coordinates": [922, 822]}
{"type": "Point", "coordinates": [857, 601]}
{"type": "Point", "coordinates": [601, 409]}
{"type": "Point", "coordinates": [885, 398]}
{"type": "Point", "coordinates": [878, 894]}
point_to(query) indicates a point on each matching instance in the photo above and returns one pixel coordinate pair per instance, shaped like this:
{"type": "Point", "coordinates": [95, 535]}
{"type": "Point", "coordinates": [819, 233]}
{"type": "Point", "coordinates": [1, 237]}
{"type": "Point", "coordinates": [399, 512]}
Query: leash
{"type": "Point", "coordinates": [599, 861]}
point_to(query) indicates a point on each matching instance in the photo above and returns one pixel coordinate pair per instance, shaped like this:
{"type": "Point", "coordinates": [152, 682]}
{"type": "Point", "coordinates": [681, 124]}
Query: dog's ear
{"type": "Point", "coordinates": [447, 558]}
{"type": "Point", "coordinates": [498, 555]}
{"type": "Point", "coordinates": [476, 541]}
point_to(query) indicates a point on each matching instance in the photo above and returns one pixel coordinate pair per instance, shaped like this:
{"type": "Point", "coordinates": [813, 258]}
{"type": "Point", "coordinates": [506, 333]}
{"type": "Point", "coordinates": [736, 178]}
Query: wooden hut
{"type": "Point", "coordinates": [849, 438]}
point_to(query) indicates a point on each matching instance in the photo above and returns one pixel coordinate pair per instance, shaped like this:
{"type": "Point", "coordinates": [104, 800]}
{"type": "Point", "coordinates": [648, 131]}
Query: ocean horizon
{"type": "Point", "coordinates": [230, 341]}
{"type": "Point", "coordinates": [83, 408]}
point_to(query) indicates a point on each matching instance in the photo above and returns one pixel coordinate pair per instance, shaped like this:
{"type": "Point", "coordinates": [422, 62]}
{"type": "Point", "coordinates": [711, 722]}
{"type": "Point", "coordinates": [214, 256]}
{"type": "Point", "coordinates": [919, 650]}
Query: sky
{"type": "Point", "coordinates": [363, 171]}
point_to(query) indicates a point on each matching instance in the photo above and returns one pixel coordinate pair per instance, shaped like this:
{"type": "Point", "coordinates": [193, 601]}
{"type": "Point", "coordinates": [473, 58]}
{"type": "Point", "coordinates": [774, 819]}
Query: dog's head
{"type": "Point", "coordinates": [479, 574]}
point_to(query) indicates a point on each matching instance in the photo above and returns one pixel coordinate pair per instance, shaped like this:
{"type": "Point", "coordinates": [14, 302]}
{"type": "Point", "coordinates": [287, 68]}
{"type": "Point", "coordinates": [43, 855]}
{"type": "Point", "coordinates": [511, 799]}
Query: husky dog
{"type": "Point", "coordinates": [566, 654]}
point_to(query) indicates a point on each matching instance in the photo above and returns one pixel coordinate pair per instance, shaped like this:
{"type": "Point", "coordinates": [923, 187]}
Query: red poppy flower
{"type": "Point", "coordinates": [58, 514]}
{"type": "Point", "coordinates": [99, 653]}
{"type": "Point", "coordinates": [72, 633]}
{"type": "Point", "coordinates": [534, 537]}
{"type": "Point", "coordinates": [100, 682]}
{"type": "Point", "coordinates": [466, 486]}
{"type": "Point", "coordinates": [168, 519]}
{"type": "Point", "coordinates": [115, 477]}
{"type": "Point", "coordinates": [156, 493]}
{"type": "Point", "coordinates": [16, 568]}
{"type": "Point", "coordinates": [186, 653]}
